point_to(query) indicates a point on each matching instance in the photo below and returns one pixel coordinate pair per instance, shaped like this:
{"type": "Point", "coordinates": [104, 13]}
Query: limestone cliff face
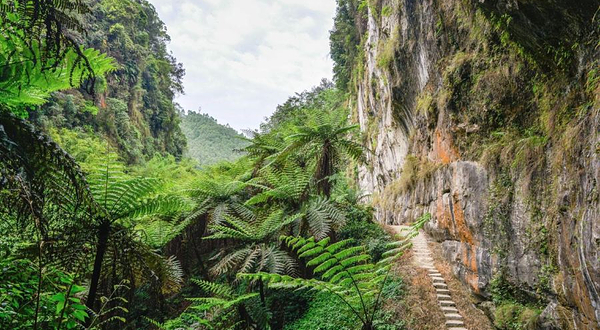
{"type": "Point", "coordinates": [486, 114]}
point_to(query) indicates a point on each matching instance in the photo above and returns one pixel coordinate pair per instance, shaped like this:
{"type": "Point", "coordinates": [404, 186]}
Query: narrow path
{"type": "Point", "coordinates": [423, 259]}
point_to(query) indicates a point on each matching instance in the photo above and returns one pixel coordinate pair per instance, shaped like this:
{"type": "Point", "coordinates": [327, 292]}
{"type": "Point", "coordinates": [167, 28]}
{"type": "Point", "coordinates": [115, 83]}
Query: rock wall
{"type": "Point", "coordinates": [486, 115]}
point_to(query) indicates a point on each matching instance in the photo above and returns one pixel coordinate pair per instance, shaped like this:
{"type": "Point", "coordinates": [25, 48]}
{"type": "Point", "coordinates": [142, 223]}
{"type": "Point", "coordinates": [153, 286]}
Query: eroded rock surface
{"type": "Point", "coordinates": [486, 115]}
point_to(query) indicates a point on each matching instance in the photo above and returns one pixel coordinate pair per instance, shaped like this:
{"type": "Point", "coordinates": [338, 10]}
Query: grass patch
{"type": "Point", "coordinates": [412, 171]}
{"type": "Point", "coordinates": [515, 309]}
{"type": "Point", "coordinates": [325, 312]}
{"type": "Point", "coordinates": [513, 316]}
{"type": "Point", "coordinates": [387, 49]}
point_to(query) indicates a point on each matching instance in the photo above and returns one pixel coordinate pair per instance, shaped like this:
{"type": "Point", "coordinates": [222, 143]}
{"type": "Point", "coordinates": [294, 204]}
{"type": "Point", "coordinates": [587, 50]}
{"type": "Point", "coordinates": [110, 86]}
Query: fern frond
{"type": "Point", "coordinates": [220, 290]}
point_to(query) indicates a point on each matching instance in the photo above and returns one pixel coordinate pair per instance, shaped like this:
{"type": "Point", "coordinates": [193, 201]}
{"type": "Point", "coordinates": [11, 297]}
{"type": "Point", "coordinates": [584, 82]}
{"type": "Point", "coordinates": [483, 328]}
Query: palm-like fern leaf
{"type": "Point", "coordinates": [342, 269]}
{"type": "Point", "coordinates": [220, 199]}
{"type": "Point", "coordinates": [324, 142]}
{"type": "Point", "coordinates": [281, 184]}
{"type": "Point", "coordinates": [36, 174]}
{"type": "Point", "coordinates": [320, 216]}
{"type": "Point", "coordinates": [218, 311]}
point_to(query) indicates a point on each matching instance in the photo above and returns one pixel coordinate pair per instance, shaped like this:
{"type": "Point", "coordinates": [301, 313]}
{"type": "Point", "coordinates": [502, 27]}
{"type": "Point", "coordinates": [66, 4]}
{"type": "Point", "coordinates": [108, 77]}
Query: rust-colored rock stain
{"type": "Point", "coordinates": [443, 148]}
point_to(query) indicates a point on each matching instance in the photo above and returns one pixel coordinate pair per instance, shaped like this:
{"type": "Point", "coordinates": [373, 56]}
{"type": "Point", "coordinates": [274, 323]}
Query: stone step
{"type": "Point", "coordinates": [423, 256]}
{"type": "Point", "coordinates": [433, 271]}
{"type": "Point", "coordinates": [440, 285]}
{"type": "Point", "coordinates": [454, 323]}
{"type": "Point", "coordinates": [447, 302]}
{"type": "Point", "coordinates": [442, 291]}
{"type": "Point", "coordinates": [459, 328]}
{"type": "Point", "coordinates": [449, 309]}
{"type": "Point", "coordinates": [437, 279]}
{"type": "Point", "coordinates": [441, 297]}
{"type": "Point", "coordinates": [453, 316]}
{"type": "Point", "coordinates": [435, 274]}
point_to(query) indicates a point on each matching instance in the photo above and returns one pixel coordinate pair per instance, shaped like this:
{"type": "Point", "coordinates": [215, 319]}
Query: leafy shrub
{"type": "Point", "coordinates": [325, 312]}
{"type": "Point", "coordinates": [360, 228]}
{"type": "Point", "coordinates": [514, 316]}
{"type": "Point", "coordinates": [387, 320]}
{"type": "Point", "coordinates": [58, 304]}
{"type": "Point", "coordinates": [516, 310]}
{"type": "Point", "coordinates": [288, 306]}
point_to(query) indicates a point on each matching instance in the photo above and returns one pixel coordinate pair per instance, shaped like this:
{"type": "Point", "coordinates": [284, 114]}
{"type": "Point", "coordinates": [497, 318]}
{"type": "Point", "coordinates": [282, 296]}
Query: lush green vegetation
{"type": "Point", "coordinates": [132, 106]}
{"type": "Point", "coordinates": [103, 224]}
{"type": "Point", "coordinates": [210, 142]}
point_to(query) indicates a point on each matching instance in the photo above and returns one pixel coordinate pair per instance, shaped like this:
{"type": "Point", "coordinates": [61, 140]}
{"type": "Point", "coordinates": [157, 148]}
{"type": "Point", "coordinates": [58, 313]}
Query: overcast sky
{"type": "Point", "coordinates": [243, 57]}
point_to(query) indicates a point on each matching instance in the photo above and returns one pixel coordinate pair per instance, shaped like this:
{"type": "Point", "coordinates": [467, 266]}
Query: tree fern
{"type": "Point", "coordinates": [35, 174]}
{"type": "Point", "coordinates": [283, 184]}
{"type": "Point", "coordinates": [219, 199]}
{"type": "Point", "coordinates": [112, 310]}
{"type": "Point", "coordinates": [122, 202]}
{"type": "Point", "coordinates": [221, 309]}
{"type": "Point", "coordinates": [320, 216]}
{"type": "Point", "coordinates": [255, 250]}
{"type": "Point", "coordinates": [35, 66]}
{"type": "Point", "coordinates": [343, 270]}
{"type": "Point", "coordinates": [289, 186]}
{"type": "Point", "coordinates": [324, 142]}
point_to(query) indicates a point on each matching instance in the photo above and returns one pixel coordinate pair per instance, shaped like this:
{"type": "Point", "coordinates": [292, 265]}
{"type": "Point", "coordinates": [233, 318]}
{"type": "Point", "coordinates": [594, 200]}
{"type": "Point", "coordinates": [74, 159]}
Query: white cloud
{"type": "Point", "coordinates": [243, 57]}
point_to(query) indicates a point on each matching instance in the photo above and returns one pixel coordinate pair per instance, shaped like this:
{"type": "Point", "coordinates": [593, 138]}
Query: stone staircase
{"type": "Point", "coordinates": [423, 259]}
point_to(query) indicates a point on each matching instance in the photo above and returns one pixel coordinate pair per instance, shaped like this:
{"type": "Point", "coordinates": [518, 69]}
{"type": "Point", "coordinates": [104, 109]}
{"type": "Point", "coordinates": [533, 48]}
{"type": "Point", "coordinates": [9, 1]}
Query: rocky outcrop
{"type": "Point", "coordinates": [486, 114]}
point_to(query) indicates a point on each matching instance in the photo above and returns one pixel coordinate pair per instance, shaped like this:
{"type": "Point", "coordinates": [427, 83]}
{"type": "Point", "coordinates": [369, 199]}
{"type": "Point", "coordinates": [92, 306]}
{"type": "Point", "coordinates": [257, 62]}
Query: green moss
{"type": "Point", "coordinates": [512, 316]}
{"type": "Point", "coordinates": [516, 309]}
{"type": "Point", "coordinates": [413, 171]}
{"type": "Point", "coordinates": [386, 11]}
{"type": "Point", "coordinates": [369, 136]}
{"type": "Point", "coordinates": [387, 49]}
{"type": "Point", "coordinates": [592, 83]}
{"type": "Point", "coordinates": [496, 223]}
{"type": "Point", "coordinates": [424, 103]}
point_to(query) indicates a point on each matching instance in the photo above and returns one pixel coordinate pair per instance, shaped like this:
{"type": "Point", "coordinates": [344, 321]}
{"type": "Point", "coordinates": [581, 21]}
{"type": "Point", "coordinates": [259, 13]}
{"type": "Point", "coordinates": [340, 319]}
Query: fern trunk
{"type": "Point", "coordinates": [368, 326]}
{"type": "Point", "coordinates": [261, 288]}
{"type": "Point", "coordinates": [103, 232]}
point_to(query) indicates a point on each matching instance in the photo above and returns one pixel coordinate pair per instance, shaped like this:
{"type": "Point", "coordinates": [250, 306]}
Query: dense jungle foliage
{"type": "Point", "coordinates": [104, 224]}
{"type": "Point", "coordinates": [131, 106]}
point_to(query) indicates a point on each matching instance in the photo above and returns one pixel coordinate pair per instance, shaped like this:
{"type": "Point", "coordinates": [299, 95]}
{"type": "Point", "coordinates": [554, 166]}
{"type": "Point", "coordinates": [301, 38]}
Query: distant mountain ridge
{"type": "Point", "coordinates": [210, 142]}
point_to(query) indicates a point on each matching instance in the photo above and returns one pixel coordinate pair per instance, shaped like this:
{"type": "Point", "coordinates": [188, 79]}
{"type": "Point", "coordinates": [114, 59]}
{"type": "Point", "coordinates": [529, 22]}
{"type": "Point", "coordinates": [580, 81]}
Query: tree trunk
{"type": "Point", "coordinates": [261, 288]}
{"type": "Point", "coordinates": [103, 232]}
{"type": "Point", "coordinates": [245, 316]}
{"type": "Point", "coordinates": [368, 326]}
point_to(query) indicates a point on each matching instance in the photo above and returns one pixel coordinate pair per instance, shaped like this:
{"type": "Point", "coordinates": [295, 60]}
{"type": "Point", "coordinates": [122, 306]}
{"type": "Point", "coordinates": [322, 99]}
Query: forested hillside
{"type": "Point", "coordinates": [210, 142]}
{"type": "Point", "coordinates": [133, 105]}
